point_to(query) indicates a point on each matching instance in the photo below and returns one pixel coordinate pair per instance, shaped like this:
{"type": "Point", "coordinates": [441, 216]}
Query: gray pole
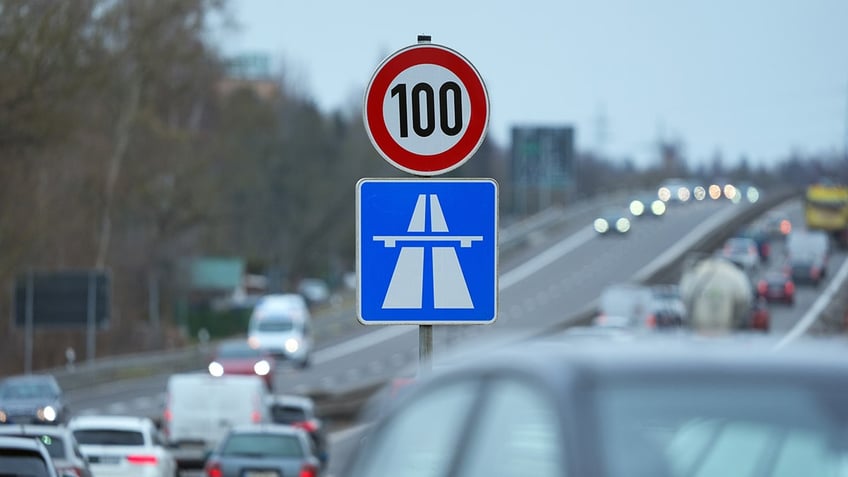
{"type": "Point", "coordinates": [153, 300]}
{"type": "Point", "coordinates": [28, 325]}
{"type": "Point", "coordinates": [91, 325]}
{"type": "Point", "coordinates": [425, 332]}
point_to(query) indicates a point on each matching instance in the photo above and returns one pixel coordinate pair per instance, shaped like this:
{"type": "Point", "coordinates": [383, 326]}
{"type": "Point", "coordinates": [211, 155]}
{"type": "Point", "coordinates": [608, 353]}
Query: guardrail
{"type": "Point", "coordinates": [113, 368]}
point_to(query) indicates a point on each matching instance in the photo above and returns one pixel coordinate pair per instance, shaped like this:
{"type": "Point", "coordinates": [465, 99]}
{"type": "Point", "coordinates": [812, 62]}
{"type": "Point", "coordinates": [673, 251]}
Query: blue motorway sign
{"type": "Point", "coordinates": [426, 251]}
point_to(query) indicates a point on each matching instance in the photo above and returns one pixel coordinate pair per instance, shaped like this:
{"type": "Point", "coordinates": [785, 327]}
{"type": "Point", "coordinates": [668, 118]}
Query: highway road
{"type": "Point", "coordinates": [557, 276]}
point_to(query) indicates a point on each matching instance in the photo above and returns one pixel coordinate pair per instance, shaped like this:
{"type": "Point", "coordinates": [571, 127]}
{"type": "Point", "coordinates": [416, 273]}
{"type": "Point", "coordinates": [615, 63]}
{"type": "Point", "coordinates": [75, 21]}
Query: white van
{"type": "Point", "coordinates": [281, 324]}
{"type": "Point", "coordinates": [201, 408]}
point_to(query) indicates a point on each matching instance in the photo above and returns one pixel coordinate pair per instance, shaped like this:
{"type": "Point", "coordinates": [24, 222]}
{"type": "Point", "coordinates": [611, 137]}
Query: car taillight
{"type": "Point", "coordinates": [789, 288]}
{"type": "Point", "coordinates": [255, 417]}
{"type": "Point", "coordinates": [308, 426]}
{"type": "Point", "coordinates": [651, 321]}
{"type": "Point", "coordinates": [814, 273]}
{"type": "Point", "coordinates": [69, 471]}
{"type": "Point", "coordinates": [142, 459]}
{"type": "Point", "coordinates": [308, 470]}
{"type": "Point", "coordinates": [762, 287]}
{"type": "Point", "coordinates": [213, 469]}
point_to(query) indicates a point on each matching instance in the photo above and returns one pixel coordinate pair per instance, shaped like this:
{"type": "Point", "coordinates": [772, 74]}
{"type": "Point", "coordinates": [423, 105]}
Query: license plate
{"type": "Point", "coordinates": [261, 473]}
{"type": "Point", "coordinates": [105, 459]}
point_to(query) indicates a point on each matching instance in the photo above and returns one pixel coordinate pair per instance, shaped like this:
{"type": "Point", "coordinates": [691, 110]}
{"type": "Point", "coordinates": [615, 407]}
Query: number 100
{"type": "Point", "coordinates": [425, 124]}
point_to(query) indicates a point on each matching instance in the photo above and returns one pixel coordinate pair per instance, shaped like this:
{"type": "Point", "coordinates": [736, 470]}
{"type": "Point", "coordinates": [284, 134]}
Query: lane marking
{"type": "Point", "coordinates": [812, 315]}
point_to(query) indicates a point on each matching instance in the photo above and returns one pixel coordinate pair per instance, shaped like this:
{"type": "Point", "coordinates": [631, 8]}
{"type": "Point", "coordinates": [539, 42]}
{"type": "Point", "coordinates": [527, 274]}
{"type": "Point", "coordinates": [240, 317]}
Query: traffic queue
{"type": "Point", "coordinates": [226, 420]}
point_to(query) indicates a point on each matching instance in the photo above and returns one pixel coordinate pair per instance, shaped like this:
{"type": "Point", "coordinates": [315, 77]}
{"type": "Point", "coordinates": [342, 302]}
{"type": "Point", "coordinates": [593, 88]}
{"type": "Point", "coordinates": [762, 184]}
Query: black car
{"type": "Point", "coordinates": [299, 411]}
{"type": "Point", "coordinates": [32, 399]}
{"type": "Point", "coordinates": [611, 221]}
{"type": "Point", "coordinates": [807, 269]}
{"type": "Point", "coordinates": [704, 406]}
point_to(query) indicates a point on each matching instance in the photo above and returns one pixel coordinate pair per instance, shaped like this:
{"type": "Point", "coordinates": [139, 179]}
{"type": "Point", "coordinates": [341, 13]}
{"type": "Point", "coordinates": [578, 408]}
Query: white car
{"type": "Point", "coordinates": [25, 457]}
{"type": "Point", "coordinates": [281, 325]}
{"type": "Point", "coordinates": [743, 252]}
{"type": "Point", "coordinates": [118, 446]}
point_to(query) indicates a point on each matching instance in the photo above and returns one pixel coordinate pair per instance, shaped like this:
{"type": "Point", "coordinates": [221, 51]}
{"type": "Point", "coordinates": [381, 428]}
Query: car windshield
{"type": "Point", "coordinates": [288, 414]}
{"type": "Point", "coordinates": [715, 430]}
{"type": "Point", "coordinates": [55, 445]}
{"type": "Point", "coordinates": [109, 437]}
{"type": "Point", "coordinates": [27, 390]}
{"type": "Point", "coordinates": [262, 445]}
{"type": "Point", "coordinates": [275, 324]}
{"type": "Point", "coordinates": [18, 463]}
{"type": "Point", "coordinates": [238, 350]}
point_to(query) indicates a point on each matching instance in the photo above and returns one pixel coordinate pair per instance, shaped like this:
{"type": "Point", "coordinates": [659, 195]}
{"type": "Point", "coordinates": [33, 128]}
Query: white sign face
{"type": "Point", "coordinates": [426, 109]}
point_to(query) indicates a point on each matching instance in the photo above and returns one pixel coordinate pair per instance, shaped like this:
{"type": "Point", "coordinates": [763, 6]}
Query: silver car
{"type": "Point", "coordinates": [262, 450]}
{"type": "Point", "coordinates": [654, 407]}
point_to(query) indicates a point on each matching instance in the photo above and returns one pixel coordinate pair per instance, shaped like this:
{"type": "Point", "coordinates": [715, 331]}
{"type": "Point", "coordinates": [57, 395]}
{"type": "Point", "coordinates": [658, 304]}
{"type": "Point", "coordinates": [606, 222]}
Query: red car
{"type": "Point", "coordinates": [760, 315]}
{"type": "Point", "coordinates": [777, 287]}
{"type": "Point", "coordinates": [237, 357]}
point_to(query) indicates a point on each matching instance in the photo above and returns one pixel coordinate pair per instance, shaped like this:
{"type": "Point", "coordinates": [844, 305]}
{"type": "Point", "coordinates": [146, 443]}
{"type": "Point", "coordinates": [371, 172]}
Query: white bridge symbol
{"type": "Point", "coordinates": [450, 291]}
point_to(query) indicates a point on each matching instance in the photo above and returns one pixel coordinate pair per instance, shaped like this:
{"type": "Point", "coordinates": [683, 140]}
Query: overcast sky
{"type": "Point", "coordinates": [745, 77]}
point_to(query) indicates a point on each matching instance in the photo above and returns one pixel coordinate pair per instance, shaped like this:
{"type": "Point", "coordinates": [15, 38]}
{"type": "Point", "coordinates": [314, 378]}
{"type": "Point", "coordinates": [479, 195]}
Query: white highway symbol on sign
{"type": "Point", "coordinates": [407, 284]}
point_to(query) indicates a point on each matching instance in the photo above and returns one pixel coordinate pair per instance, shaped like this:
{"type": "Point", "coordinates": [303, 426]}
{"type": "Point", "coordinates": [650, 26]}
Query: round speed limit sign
{"type": "Point", "coordinates": [426, 109]}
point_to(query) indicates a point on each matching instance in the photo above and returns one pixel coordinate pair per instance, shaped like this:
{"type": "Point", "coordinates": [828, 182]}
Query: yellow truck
{"type": "Point", "coordinates": [826, 208]}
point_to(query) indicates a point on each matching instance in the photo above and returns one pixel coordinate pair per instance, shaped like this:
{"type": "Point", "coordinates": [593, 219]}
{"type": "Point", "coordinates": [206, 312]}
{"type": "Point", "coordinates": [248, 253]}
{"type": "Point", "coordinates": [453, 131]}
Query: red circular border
{"type": "Point", "coordinates": [375, 123]}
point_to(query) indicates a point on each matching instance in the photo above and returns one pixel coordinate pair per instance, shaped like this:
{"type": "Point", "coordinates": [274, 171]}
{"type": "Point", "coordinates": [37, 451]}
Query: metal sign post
{"type": "Point", "coordinates": [425, 332]}
{"type": "Point", "coordinates": [91, 319]}
{"type": "Point", "coordinates": [28, 332]}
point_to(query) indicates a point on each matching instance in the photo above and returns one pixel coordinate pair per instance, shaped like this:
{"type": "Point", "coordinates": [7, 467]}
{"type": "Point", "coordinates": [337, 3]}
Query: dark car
{"type": "Point", "coordinates": [647, 206]}
{"type": "Point", "coordinates": [264, 450]}
{"type": "Point", "coordinates": [807, 269]}
{"type": "Point", "coordinates": [760, 319]}
{"type": "Point", "coordinates": [60, 444]}
{"type": "Point", "coordinates": [238, 357]}
{"type": "Point", "coordinates": [761, 237]}
{"type": "Point", "coordinates": [299, 411]}
{"type": "Point", "coordinates": [692, 407]}
{"type": "Point", "coordinates": [32, 399]}
{"type": "Point", "coordinates": [777, 286]}
{"type": "Point", "coordinates": [612, 221]}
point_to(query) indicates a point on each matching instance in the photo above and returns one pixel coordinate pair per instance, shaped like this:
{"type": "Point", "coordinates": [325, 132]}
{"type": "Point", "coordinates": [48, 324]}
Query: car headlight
{"type": "Point", "coordinates": [601, 226]}
{"type": "Point", "coordinates": [292, 345]}
{"type": "Point", "coordinates": [622, 225]}
{"type": "Point", "coordinates": [253, 342]}
{"type": "Point", "coordinates": [216, 369]}
{"type": "Point", "coordinates": [658, 207]}
{"type": "Point", "coordinates": [262, 368]}
{"type": "Point", "coordinates": [700, 193]}
{"type": "Point", "coordinates": [715, 192]}
{"type": "Point", "coordinates": [664, 194]}
{"type": "Point", "coordinates": [637, 208]}
{"type": "Point", "coordinates": [3, 416]}
{"type": "Point", "coordinates": [683, 194]}
{"type": "Point", "coordinates": [752, 194]}
{"type": "Point", "coordinates": [46, 413]}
